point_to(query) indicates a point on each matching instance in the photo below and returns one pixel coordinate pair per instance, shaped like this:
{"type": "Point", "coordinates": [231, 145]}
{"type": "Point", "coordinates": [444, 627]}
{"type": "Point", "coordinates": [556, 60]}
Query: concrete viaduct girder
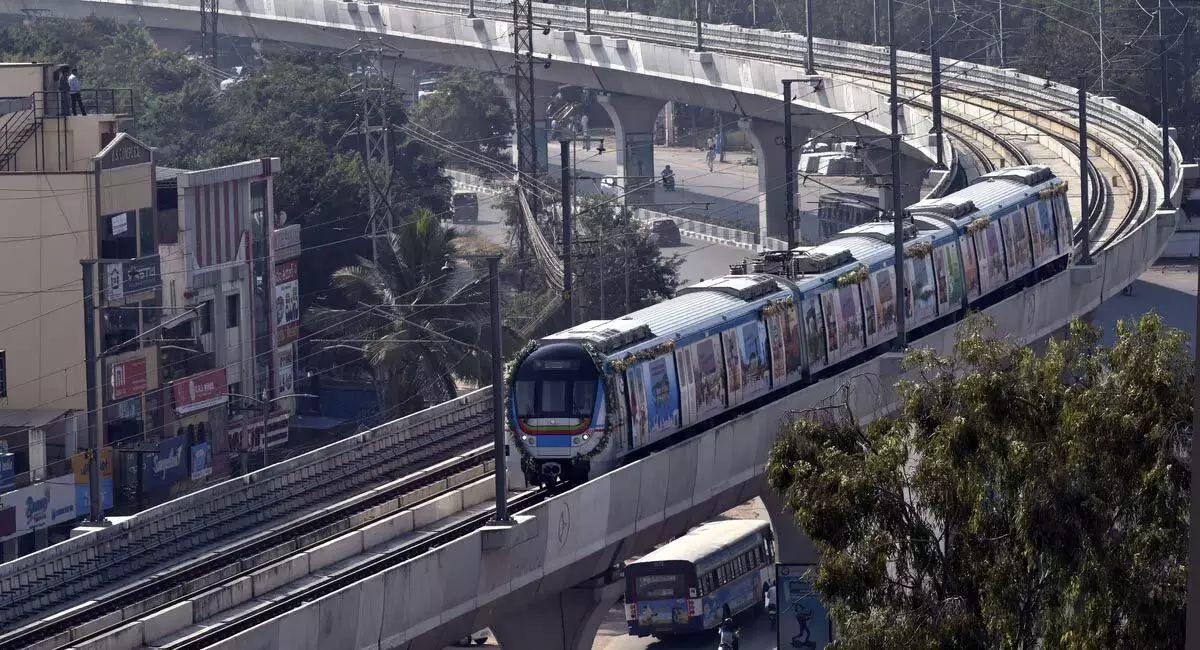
{"type": "Point", "coordinates": [751, 88]}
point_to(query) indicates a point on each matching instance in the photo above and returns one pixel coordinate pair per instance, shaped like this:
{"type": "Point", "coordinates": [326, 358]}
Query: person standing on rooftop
{"type": "Point", "coordinates": [76, 100]}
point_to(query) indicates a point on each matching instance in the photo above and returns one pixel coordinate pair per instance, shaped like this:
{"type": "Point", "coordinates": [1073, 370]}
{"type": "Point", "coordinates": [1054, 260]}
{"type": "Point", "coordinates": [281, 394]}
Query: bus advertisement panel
{"type": "Point", "coordinates": [803, 622]}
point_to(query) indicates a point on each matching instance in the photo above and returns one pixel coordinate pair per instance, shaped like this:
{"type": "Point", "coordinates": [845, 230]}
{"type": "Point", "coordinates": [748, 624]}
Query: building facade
{"type": "Point", "coordinates": [72, 188]}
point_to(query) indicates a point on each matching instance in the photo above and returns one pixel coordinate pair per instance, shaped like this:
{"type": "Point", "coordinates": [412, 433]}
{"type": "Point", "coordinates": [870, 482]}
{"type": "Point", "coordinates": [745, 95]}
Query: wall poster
{"type": "Point", "coordinates": [1016, 243]}
{"type": "Point", "coordinates": [814, 332]}
{"type": "Point", "coordinates": [701, 379]}
{"type": "Point", "coordinates": [775, 345]}
{"type": "Point", "coordinates": [991, 259]}
{"type": "Point", "coordinates": [752, 346]}
{"type": "Point", "coordinates": [922, 299]}
{"type": "Point", "coordinates": [884, 288]}
{"type": "Point", "coordinates": [970, 266]}
{"type": "Point", "coordinates": [850, 322]}
{"type": "Point", "coordinates": [733, 366]}
{"type": "Point", "coordinates": [791, 342]}
{"type": "Point", "coordinates": [829, 311]}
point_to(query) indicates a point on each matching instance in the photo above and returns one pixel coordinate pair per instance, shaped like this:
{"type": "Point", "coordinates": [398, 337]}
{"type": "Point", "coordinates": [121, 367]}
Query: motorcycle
{"type": "Point", "coordinates": [725, 645]}
{"type": "Point", "coordinates": [773, 614]}
{"type": "Point", "coordinates": [669, 183]}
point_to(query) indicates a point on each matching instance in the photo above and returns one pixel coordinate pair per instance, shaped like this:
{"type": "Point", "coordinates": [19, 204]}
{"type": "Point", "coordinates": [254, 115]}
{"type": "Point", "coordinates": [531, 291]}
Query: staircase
{"type": "Point", "coordinates": [16, 129]}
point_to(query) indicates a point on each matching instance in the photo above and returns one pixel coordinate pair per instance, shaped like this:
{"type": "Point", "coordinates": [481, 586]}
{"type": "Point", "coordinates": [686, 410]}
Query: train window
{"type": "Point", "coordinates": [525, 398]}
{"type": "Point", "coordinates": [584, 398]}
{"type": "Point", "coordinates": [554, 397]}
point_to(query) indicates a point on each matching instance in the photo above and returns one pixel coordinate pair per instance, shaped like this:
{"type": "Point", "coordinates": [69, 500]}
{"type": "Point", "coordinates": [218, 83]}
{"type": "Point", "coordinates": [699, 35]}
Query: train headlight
{"type": "Point", "coordinates": [525, 438]}
{"type": "Point", "coordinates": [586, 437]}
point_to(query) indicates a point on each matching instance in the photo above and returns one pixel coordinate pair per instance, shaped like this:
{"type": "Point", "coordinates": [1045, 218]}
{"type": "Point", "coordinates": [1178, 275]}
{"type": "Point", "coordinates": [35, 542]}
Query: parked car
{"type": "Point", "coordinates": [478, 638]}
{"type": "Point", "coordinates": [464, 206]}
{"type": "Point", "coordinates": [665, 232]}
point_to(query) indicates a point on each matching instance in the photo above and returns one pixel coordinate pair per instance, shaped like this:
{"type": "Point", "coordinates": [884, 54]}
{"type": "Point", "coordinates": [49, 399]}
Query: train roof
{"type": "Point", "coordinates": [850, 197]}
{"type": "Point", "coordinates": [992, 193]}
{"type": "Point", "coordinates": [705, 540]}
{"type": "Point", "coordinates": [691, 308]}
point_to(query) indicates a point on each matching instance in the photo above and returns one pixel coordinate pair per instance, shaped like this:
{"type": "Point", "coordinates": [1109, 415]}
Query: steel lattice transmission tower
{"type": "Point", "coordinates": [375, 127]}
{"type": "Point", "coordinates": [209, 10]}
{"type": "Point", "coordinates": [526, 143]}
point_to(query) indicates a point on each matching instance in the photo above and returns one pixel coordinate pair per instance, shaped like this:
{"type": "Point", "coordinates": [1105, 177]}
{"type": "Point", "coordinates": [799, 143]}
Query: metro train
{"type": "Point", "coordinates": [582, 401]}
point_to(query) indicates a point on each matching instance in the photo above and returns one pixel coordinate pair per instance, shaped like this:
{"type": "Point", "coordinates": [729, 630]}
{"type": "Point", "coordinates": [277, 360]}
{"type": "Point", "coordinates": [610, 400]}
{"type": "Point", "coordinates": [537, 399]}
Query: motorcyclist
{"type": "Point", "coordinates": [772, 607]}
{"type": "Point", "coordinates": [668, 177]}
{"type": "Point", "coordinates": [728, 636]}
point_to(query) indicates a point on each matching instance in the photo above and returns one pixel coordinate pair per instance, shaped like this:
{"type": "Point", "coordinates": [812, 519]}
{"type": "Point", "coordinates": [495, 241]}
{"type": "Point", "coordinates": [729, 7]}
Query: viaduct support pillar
{"type": "Point", "coordinates": [912, 177]}
{"type": "Point", "coordinates": [767, 138]}
{"type": "Point", "coordinates": [543, 93]}
{"type": "Point", "coordinates": [792, 546]}
{"type": "Point", "coordinates": [567, 620]}
{"type": "Point", "coordinates": [634, 119]}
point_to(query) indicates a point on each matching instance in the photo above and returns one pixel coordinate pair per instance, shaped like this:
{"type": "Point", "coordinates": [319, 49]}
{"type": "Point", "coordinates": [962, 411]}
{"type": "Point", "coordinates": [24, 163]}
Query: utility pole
{"type": "Point", "coordinates": [498, 390]}
{"type": "Point", "coordinates": [874, 22]}
{"type": "Point", "coordinates": [935, 87]}
{"type": "Point", "coordinates": [375, 127]}
{"type": "Point", "coordinates": [1164, 114]}
{"type": "Point", "coordinates": [568, 266]}
{"type": "Point", "coordinates": [809, 68]}
{"type": "Point", "coordinates": [209, 10]}
{"type": "Point", "coordinates": [699, 26]}
{"type": "Point", "coordinates": [789, 169]}
{"type": "Point", "coordinates": [1086, 257]}
{"type": "Point", "coordinates": [1103, 62]}
{"type": "Point", "coordinates": [95, 430]}
{"type": "Point", "coordinates": [1000, 22]}
{"type": "Point", "coordinates": [525, 117]}
{"type": "Point", "coordinates": [897, 210]}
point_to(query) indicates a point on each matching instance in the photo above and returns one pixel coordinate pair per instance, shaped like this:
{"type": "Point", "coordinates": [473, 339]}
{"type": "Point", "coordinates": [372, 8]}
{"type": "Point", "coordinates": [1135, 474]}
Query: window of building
{"type": "Point", "coordinates": [233, 310]}
{"type": "Point", "coordinates": [151, 313]}
{"type": "Point", "coordinates": [119, 236]}
{"type": "Point", "coordinates": [120, 329]}
{"type": "Point", "coordinates": [147, 239]}
{"type": "Point", "coordinates": [3, 374]}
{"type": "Point", "coordinates": [204, 316]}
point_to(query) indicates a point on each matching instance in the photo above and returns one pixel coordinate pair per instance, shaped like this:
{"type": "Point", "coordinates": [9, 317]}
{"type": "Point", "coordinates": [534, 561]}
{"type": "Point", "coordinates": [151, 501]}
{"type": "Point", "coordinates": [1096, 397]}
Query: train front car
{"type": "Point", "coordinates": [556, 411]}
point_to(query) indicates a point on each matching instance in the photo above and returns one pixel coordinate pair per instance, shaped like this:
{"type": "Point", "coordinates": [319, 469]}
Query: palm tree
{"type": "Point", "coordinates": [414, 322]}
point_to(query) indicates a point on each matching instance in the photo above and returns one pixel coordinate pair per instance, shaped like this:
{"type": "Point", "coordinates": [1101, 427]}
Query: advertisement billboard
{"type": "Point", "coordinates": [803, 622]}
{"type": "Point", "coordinates": [201, 461]}
{"type": "Point", "coordinates": [286, 242]}
{"type": "Point", "coordinates": [126, 379]}
{"type": "Point", "coordinates": [81, 469]}
{"type": "Point", "coordinates": [287, 302]}
{"type": "Point", "coordinates": [39, 506]}
{"type": "Point", "coordinates": [166, 467]}
{"type": "Point", "coordinates": [285, 370]}
{"type": "Point", "coordinates": [200, 391]}
{"type": "Point", "coordinates": [132, 277]}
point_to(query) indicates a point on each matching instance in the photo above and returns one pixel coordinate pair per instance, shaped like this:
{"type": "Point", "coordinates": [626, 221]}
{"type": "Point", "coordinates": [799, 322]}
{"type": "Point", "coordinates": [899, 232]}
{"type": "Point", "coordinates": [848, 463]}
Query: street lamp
{"type": "Point", "coordinates": [497, 351]}
{"type": "Point", "coordinates": [266, 411]}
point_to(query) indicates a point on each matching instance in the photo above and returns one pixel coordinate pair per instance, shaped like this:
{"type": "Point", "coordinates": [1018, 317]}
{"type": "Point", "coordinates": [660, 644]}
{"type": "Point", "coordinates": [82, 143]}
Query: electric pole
{"type": "Point", "coordinates": [568, 267]}
{"type": "Point", "coordinates": [525, 117]}
{"type": "Point", "coordinates": [789, 170]}
{"type": "Point", "coordinates": [935, 87]}
{"type": "Point", "coordinates": [209, 10]}
{"type": "Point", "coordinates": [1086, 257]}
{"type": "Point", "coordinates": [1164, 114]}
{"type": "Point", "coordinates": [897, 209]}
{"type": "Point", "coordinates": [375, 127]}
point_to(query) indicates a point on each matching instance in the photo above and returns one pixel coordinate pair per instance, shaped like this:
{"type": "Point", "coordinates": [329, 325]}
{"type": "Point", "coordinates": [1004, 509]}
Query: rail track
{"type": "Point", "coordinates": [315, 510]}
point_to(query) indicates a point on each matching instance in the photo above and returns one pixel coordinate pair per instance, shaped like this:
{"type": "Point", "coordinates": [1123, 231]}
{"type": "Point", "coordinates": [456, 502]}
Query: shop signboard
{"type": "Point", "coordinates": [166, 467]}
{"type": "Point", "coordinates": [41, 505]}
{"type": "Point", "coordinates": [127, 378]}
{"type": "Point", "coordinates": [287, 302]}
{"type": "Point", "coordinates": [286, 242]}
{"type": "Point", "coordinates": [200, 391]}
{"type": "Point", "coordinates": [131, 277]}
{"type": "Point", "coordinates": [201, 461]}
{"type": "Point", "coordinates": [285, 364]}
{"type": "Point", "coordinates": [81, 469]}
{"type": "Point", "coordinates": [124, 151]}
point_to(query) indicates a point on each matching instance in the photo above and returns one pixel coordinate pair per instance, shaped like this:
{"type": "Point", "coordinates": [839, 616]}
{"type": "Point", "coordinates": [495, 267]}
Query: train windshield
{"type": "Point", "coordinates": [556, 381]}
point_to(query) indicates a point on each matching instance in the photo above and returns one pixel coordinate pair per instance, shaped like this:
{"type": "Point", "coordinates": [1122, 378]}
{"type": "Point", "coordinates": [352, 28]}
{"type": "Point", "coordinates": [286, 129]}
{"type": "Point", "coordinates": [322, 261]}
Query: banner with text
{"type": "Point", "coordinates": [81, 469]}
{"type": "Point", "coordinates": [287, 302]}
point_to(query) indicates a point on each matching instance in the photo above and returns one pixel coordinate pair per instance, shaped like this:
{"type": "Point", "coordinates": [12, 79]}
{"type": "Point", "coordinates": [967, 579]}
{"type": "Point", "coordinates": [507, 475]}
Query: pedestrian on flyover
{"type": "Point", "coordinates": [64, 90]}
{"type": "Point", "coordinates": [74, 85]}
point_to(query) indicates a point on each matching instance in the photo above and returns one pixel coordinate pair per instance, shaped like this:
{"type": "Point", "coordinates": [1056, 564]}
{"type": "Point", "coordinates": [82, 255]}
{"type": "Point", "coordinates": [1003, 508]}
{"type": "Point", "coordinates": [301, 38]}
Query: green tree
{"type": "Point", "coordinates": [414, 321]}
{"type": "Point", "coordinates": [1016, 501]}
{"type": "Point", "coordinates": [469, 109]}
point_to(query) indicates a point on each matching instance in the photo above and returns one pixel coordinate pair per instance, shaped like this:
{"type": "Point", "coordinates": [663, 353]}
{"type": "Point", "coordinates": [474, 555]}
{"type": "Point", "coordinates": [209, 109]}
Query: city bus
{"type": "Point", "coordinates": [691, 584]}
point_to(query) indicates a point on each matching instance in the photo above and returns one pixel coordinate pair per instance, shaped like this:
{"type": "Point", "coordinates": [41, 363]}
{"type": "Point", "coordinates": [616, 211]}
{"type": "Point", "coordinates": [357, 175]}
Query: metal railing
{"type": "Point", "coordinates": [99, 101]}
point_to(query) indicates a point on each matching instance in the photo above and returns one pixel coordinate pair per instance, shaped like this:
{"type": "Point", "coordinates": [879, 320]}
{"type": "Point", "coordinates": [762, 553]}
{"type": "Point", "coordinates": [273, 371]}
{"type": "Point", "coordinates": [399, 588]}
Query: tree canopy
{"type": "Point", "coordinates": [469, 109]}
{"type": "Point", "coordinates": [1016, 501]}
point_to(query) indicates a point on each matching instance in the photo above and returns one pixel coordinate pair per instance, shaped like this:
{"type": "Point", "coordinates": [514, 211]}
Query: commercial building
{"type": "Point", "coordinates": [183, 319]}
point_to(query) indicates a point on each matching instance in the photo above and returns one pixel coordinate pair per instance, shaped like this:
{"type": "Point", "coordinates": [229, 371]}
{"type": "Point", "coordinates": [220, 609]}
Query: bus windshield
{"type": "Point", "coordinates": [660, 587]}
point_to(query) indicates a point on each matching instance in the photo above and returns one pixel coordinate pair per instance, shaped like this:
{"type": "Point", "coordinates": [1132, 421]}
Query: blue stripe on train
{"type": "Point", "coordinates": [548, 440]}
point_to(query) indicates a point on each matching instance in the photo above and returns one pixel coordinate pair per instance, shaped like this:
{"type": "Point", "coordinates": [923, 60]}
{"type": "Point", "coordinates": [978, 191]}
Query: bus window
{"type": "Point", "coordinates": [525, 398]}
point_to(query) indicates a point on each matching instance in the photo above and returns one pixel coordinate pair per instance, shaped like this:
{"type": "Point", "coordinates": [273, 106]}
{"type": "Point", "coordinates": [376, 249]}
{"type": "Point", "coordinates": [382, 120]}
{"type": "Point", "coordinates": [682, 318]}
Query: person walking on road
{"type": "Point", "coordinates": [74, 85]}
{"type": "Point", "coordinates": [710, 158]}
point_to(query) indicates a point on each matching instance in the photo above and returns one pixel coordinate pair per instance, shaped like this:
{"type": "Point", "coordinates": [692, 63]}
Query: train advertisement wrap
{"type": "Point", "coordinates": [653, 398]}
{"type": "Point", "coordinates": [970, 266]}
{"type": "Point", "coordinates": [701, 383]}
{"type": "Point", "coordinates": [814, 332]}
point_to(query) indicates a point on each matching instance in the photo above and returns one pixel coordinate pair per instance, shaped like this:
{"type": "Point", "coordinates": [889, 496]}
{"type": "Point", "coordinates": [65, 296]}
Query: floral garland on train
{"type": "Point", "coordinates": [920, 250]}
{"type": "Point", "coordinates": [857, 275]}
{"type": "Point", "coordinates": [978, 224]}
{"type": "Point", "coordinates": [510, 380]}
{"type": "Point", "coordinates": [776, 306]}
{"type": "Point", "coordinates": [610, 399]}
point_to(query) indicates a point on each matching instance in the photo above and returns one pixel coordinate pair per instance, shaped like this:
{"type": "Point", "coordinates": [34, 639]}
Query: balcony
{"type": "Point", "coordinates": [23, 118]}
